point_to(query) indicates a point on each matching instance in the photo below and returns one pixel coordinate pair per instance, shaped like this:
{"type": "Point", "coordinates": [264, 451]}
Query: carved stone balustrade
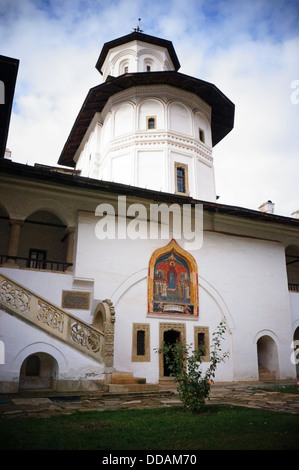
{"type": "Point", "coordinates": [28, 306]}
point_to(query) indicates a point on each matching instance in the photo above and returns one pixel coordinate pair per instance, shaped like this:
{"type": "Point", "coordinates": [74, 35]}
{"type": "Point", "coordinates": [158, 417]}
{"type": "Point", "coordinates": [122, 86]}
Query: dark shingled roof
{"type": "Point", "coordinates": [55, 177]}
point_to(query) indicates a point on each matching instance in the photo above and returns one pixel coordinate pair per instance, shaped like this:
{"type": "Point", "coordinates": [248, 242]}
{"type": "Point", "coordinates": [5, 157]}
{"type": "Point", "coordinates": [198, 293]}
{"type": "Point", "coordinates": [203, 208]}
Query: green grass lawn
{"type": "Point", "coordinates": [218, 428]}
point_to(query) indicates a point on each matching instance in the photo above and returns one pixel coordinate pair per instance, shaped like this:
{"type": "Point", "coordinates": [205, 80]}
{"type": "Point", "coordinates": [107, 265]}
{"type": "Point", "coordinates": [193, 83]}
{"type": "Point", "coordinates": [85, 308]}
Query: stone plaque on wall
{"type": "Point", "coordinates": [75, 300]}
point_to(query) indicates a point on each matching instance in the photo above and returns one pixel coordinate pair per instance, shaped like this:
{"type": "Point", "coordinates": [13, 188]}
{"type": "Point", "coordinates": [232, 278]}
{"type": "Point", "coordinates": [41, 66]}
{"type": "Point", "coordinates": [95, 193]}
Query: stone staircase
{"type": "Point", "coordinates": [123, 382]}
{"type": "Point", "coordinates": [33, 309]}
{"type": "Point", "coordinates": [265, 375]}
{"type": "Point", "coordinates": [167, 383]}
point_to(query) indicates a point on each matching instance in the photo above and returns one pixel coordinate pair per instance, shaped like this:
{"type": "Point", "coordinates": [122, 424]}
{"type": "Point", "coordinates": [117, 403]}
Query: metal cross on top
{"type": "Point", "coordinates": [138, 30]}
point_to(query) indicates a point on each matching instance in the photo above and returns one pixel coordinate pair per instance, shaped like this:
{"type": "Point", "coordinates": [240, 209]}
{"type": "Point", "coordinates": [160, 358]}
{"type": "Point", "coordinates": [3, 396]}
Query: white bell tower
{"type": "Point", "coordinates": [147, 125]}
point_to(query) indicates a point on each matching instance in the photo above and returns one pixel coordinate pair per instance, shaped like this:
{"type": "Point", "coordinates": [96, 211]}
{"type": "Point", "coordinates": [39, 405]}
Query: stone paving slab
{"type": "Point", "coordinates": [253, 397]}
{"type": "Point", "coordinates": [31, 401]}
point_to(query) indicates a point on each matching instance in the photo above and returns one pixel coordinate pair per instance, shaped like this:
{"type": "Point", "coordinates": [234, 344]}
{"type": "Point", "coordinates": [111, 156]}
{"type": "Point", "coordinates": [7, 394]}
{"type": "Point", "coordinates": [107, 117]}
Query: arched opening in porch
{"type": "Point", "coordinates": [267, 358]}
{"type": "Point", "coordinates": [39, 371]}
{"type": "Point", "coordinates": [43, 242]}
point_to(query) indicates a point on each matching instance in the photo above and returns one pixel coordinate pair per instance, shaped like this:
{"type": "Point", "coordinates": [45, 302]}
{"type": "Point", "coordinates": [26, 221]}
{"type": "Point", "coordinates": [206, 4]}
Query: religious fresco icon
{"type": "Point", "coordinates": [172, 282]}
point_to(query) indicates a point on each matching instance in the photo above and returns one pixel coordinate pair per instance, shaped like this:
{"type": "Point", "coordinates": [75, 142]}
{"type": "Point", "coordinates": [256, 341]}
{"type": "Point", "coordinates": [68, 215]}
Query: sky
{"type": "Point", "coordinates": [249, 49]}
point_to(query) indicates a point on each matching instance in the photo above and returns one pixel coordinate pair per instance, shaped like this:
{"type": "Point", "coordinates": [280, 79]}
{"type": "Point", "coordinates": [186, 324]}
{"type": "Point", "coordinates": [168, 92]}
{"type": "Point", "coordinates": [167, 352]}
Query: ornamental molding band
{"type": "Point", "coordinates": [19, 301]}
{"type": "Point", "coordinates": [173, 282]}
{"type": "Point", "coordinates": [163, 139]}
{"type": "Point", "coordinates": [104, 320]}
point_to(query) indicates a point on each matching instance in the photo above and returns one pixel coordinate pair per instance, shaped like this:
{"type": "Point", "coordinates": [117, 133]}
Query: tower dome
{"type": "Point", "coordinates": [136, 52]}
{"type": "Point", "coordinates": [147, 125]}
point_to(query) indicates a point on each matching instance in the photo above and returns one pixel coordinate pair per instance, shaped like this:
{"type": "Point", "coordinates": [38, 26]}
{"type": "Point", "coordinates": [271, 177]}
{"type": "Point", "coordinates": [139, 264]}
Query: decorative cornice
{"type": "Point", "coordinates": [162, 140]}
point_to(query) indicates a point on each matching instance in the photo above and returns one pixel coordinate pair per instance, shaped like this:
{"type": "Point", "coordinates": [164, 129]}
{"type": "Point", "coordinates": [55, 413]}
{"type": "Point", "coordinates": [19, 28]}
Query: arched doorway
{"type": "Point", "coordinates": [170, 337]}
{"type": "Point", "coordinates": [267, 358]}
{"type": "Point", "coordinates": [39, 371]}
{"type": "Point", "coordinates": [170, 333]}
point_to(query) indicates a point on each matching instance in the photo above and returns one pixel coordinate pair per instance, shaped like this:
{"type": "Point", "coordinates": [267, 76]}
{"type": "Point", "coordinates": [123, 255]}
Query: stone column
{"type": "Point", "coordinates": [13, 246]}
{"type": "Point", "coordinates": [70, 247]}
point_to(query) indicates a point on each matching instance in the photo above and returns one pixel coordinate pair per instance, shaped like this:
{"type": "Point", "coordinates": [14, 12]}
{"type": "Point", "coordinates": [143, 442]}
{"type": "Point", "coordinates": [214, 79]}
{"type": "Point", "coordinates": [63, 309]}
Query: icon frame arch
{"type": "Point", "coordinates": [179, 307]}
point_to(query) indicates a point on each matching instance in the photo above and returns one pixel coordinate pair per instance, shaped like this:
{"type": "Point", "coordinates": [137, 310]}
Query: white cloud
{"type": "Point", "coordinates": [248, 49]}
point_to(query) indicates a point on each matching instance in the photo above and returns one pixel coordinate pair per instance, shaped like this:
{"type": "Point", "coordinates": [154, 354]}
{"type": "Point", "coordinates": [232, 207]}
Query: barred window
{"type": "Point", "coordinates": [201, 338]}
{"type": "Point", "coordinates": [181, 178]}
{"type": "Point", "coordinates": [141, 342]}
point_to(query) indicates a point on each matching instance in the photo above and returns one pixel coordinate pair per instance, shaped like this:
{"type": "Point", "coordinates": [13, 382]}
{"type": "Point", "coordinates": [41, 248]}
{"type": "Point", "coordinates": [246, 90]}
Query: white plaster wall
{"type": "Point", "coordinates": [131, 308]}
{"type": "Point", "coordinates": [201, 122]}
{"type": "Point", "coordinates": [48, 285]}
{"type": "Point", "coordinates": [245, 273]}
{"type": "Point", "coordinates": [180, 118]}
{"type": "Point", "coordinates": [240, 280]}
{"type": "Point", "coordinates": [122, 168]}
{"type": "Point", "coordinates": [150, 170]}
{"type": "Point", "coordinates": [205, 182]}
{"type": "Point", "coordinates": [124, 120]}
{"type": "Point", "coordinates": [150, 108]}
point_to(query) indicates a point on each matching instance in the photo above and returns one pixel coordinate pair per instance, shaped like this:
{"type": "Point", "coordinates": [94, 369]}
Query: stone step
{"type": "Point", "coordinates": [126, 378]}
{"type": "Point", "coordinates": [132, 387]}
{"type": "Point", "coordinates": [167, 383]}
{"type": "Point", "coordinates": [265, 375]}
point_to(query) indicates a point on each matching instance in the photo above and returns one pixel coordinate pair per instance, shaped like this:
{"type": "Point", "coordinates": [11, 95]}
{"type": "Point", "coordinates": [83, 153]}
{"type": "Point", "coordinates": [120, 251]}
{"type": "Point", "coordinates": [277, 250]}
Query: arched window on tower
{"type": "Point", "coordinates": [201, 135]}
{"type": "Point", "coordinates": [151, 122]}
{"type": "Point", "coordinates": [124, 67]}
{"type": "Point", "coordinates": [148, 65]}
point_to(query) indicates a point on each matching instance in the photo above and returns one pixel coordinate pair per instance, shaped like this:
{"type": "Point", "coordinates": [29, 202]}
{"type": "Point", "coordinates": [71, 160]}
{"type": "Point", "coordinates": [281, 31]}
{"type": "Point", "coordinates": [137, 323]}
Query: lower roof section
{"type": "Point", "coordinates": [55, 176]}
